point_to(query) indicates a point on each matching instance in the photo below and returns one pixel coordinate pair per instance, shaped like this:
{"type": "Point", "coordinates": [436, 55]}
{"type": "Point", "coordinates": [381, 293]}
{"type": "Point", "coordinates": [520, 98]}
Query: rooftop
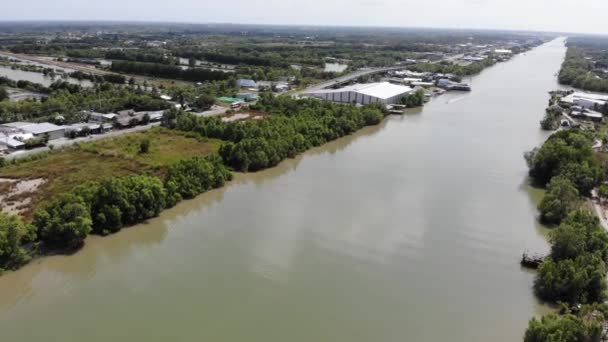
{"type": "Point", "coordinates": [41, 128]}
{"type": "Point", "coordinates": [383, 90]}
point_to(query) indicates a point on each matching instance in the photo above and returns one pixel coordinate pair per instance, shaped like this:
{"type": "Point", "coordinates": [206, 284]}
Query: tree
{"type": "Point", "coordinates": [580, 233]}
{"type": "Point", "coordinates": [14, 233]}
{"type": "Point", "coordinates": [192, 62]}
{"type": "Point", "coordinates": [204, 102]}
{"type": "Point", "coordinates": [3, 94]}
{"type": "Point", "coordinates": [415, 99]}
{"type": "Point", "coordinates": [65, 222]}
{"type": "Point", "coordinates": [144, 146]}
{"type": "Point", "coordinates": [566, 153]}
{"type": "Point", "coordinates": [566, 328]}
{"type": "Point", "coordinates": [145, 119]}
{"type": "Point", "coordinates": [561, 198]}
{"type": "Point", "coordinates": [574, 272]}
{"type": "Point", "coordinates": [191, 177]}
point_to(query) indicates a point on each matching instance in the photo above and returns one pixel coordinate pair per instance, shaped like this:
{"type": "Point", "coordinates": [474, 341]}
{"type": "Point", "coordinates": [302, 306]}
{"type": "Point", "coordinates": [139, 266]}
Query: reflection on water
{"type": "Point", "coordinates": [383, 235]}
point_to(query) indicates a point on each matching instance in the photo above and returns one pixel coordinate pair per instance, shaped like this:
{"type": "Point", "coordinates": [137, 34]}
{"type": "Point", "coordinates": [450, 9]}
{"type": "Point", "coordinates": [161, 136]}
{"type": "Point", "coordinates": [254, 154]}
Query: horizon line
{"type": "Point", "coordinates": [363, 26]}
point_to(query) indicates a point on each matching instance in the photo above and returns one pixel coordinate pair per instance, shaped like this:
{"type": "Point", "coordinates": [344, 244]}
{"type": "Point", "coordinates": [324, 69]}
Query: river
{"type": "Point", "coordinates": [411, 230]}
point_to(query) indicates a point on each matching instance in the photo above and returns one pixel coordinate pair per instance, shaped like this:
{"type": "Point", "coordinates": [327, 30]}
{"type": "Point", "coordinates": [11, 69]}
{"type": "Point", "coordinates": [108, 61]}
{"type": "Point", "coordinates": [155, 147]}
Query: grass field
{"type": "Point", "coordinates": [112, 157]}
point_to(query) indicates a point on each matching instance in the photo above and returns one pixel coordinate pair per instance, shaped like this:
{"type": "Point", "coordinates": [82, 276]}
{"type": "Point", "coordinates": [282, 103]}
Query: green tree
{"type": "Point", "coordinates": [575, 270]}
{"type": "Point", "coordinates": [14, 233]}
{"type": "Point", "coordinates": [561, 198]}
{"type": "Point", "coordinates": [3, 94]}
{"type": "Point", "coordinates": [191, 177]}
{"type": "Point", "coordinates": [204, 102]}
{"type": "Point", "coordinates": [144, 146]}
{"type": "Point", "coordinates": [415, 99]}
{"type": "Point", "coordinates": [566, 328]}
{"type": "Point", "coordinates": [567, 153]}
{"type": "Point", "coordinates": [65, 222]}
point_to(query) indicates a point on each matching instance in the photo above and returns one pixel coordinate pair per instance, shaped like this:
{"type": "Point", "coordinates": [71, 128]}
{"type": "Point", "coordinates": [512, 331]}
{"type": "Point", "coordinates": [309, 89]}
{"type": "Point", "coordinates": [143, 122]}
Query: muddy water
{"type": "Point", "coordinates": [408, 231]}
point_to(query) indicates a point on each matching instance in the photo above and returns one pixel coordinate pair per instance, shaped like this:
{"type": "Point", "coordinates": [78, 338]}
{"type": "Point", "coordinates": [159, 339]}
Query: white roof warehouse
{"type": "Point", "coordinates": [385, 93]}
{"type": "Point", "coordinates": [37, 129]}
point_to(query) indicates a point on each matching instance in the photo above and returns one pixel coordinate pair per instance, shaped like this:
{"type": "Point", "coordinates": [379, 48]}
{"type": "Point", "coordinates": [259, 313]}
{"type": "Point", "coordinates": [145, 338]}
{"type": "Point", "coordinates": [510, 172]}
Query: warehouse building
{"type": "Point", "coordinates": [38, 129]}
{"type": "Point", "coordinates": [584, 100]}
{"type": "Point", "coordinates": [385, 93]}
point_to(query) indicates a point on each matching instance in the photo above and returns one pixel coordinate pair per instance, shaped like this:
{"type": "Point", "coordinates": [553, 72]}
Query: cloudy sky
{"type": "Point", "coordinates": [550, 15]}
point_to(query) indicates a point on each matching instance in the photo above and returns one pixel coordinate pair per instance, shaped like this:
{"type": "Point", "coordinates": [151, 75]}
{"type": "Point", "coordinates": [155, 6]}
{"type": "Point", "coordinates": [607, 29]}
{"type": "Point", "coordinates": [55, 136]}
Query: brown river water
{"type": "Point", "coordinates": [411, 230]}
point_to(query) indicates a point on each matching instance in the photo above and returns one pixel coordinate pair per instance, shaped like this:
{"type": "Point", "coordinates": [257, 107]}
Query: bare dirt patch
{"type": "Point", "coordinates": [16, 195]}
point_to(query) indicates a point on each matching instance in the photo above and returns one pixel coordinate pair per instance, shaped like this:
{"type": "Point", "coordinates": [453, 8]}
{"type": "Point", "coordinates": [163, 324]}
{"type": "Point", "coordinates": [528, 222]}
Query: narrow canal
{"type": "Point", "coordinates": [408, 231]}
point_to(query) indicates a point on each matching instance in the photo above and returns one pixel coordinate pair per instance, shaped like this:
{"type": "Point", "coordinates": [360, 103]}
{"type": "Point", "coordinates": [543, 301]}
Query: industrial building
{"type": "Point", "coordinates": [38, 129]}
{"type": "Point", "coordinates": [584, 100]}
{"type": "Point", "coordinates": [385, 93]}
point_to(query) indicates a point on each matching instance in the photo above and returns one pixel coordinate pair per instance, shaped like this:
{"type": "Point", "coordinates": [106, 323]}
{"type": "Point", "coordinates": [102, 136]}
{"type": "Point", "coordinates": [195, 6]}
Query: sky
{"type": "Point", "coordinates": [587, 16]}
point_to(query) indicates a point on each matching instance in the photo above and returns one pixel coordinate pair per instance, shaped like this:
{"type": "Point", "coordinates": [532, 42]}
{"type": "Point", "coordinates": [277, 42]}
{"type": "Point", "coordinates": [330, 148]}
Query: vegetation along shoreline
{"type": "Point", "coordinates": [572, 166]}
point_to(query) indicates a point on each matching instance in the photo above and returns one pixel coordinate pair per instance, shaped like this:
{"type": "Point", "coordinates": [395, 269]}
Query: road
{"type": "Point", "coordinates": [65, 142]}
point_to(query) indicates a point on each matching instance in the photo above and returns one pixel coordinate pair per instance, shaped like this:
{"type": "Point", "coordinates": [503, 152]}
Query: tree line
{"type": "Point", "coordinates": [150, 56]}
{"type": "Point", "coordinates": [168, 71]}
{"type": "Point", "coordinates": [69, 100]}
{"type": "Point", "coordinates": [105, 207]}
{"type": "Point", "coordinates": [574, 272]}
{"type": "Point", "coordinates": [111, 78]}
{"type": "Point", "coordinates": [451, 68]}
{"type": "Point", "coordinates": [293, 127]}
{"type": "Point", "coordinates": [566, 164]}
{"type": "Point", "coordinates": [579, 71]}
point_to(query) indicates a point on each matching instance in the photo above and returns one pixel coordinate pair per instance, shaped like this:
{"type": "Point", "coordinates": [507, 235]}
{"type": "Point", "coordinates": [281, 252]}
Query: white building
{"type": "Point", "coordinates": [584, 100]}
{"type": "Point", "coordinates": [385, 93]}
{"type": "Point", "coordinates": [38, 129]}
{"type": "Point", "coordinates": [502, 51]}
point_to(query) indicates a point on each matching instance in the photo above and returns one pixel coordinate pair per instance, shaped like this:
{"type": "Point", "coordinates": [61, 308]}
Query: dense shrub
{"type": "Point", "coordinates": [191, 177]}
{"type": "Point", "coordinates": [168, 71]}
{"type": "Point", "coordinates": [561, 198]}
{"type": "Point", "coordinates": [65, 222]}
{"type": "Point", "coordinates": [293, 127]}
{"type": "Point", "coordinates": [14, 233]}
{"type": "Point", "coordinates": [567, 153]}
{"type": "Point", "coordinates": [566, 328]}
{"type": "Point", "coordinates": [575, 270]}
